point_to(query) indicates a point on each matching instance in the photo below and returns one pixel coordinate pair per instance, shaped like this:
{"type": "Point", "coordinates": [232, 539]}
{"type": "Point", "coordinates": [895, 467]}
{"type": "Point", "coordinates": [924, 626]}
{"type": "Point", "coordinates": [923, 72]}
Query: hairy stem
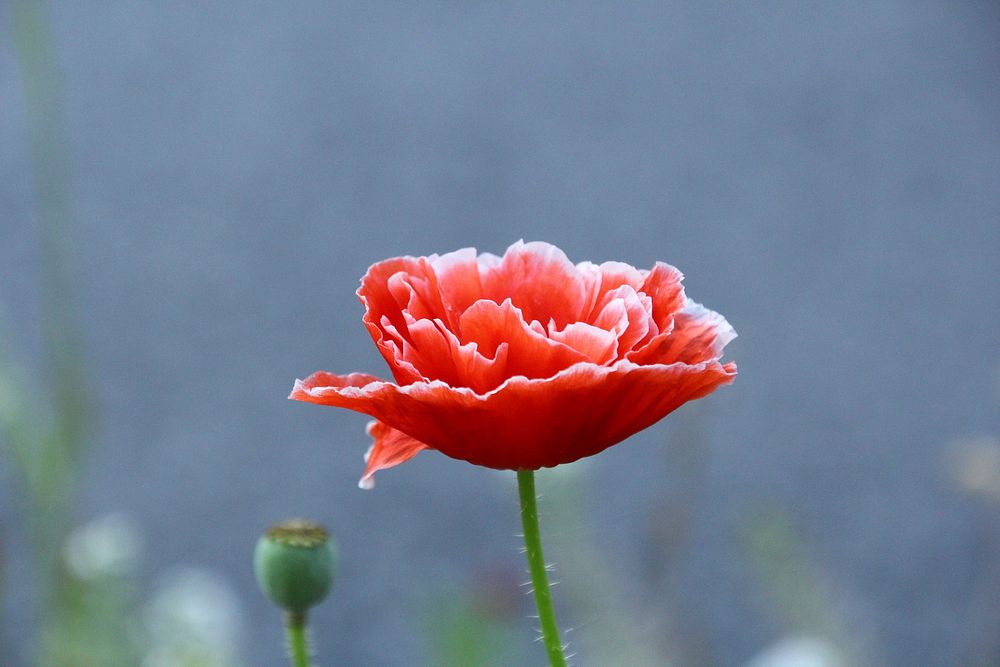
{"type": "Point", "coordinates": [536, 564]}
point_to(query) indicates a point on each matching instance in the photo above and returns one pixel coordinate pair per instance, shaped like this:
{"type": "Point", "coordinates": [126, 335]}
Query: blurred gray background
{"type": "Point", "coordinates": [828, 178]}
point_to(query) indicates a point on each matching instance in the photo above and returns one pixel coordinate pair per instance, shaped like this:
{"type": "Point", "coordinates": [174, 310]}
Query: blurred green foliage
{"type": "Point", "coordinates": [45, 427]}
{"type": "Point", "coordinates": [462, 631]}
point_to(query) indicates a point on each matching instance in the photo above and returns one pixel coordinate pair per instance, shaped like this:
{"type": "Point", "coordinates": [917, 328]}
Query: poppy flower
{"type": "Point", "coordinates": [523, 361]}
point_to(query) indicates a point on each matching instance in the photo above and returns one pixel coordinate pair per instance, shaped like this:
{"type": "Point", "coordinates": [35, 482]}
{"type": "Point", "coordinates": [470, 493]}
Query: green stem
{"type": "Point", "coordinates": [536, 563]}
{"type": "Point", "coordinates": [298, 641]}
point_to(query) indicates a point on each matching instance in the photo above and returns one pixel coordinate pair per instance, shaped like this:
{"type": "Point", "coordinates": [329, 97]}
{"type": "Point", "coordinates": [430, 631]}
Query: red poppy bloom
{"type": "Point", "coordinates": [525, 361]}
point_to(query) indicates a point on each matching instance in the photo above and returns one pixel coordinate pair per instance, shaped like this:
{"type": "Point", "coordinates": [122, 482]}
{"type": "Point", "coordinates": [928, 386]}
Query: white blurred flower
{"type": "Point", "coordinates": [193, 619]}
{"type": "Point", "coordinates": [799, 652]}
{"type": "Point", "coordinates": [107, 546]}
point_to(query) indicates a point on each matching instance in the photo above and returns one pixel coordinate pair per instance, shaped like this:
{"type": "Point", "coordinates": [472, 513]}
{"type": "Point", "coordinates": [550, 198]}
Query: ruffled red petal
{"type": "Point", "coordinates": [629, 315]}
{"type": "Point", "coordinates": [458, 281]}
{"type": "Point", "coordinates": [529, 351]}
{"type": "Point", "coordinates": [384, 318]}
{"type": "Point", "coordinates": [663, 286]}
{"type": "Point", "coordinates": [525, 424]}
{"type": "Point", "coordinates": [542, 283]}
{"type": "Point", "coordinates": [698, 334]}
{"type": "Point", "coordinates": [390, 448]}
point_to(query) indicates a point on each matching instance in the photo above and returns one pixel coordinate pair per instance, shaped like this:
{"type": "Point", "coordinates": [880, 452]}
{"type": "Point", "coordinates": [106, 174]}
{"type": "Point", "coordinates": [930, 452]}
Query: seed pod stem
{"type": "Point", "coordinates": [297, 635]}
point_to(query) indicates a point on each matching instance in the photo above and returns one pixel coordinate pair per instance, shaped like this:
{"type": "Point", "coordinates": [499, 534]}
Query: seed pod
{"type": "Point", "coordinates": [295, 563]}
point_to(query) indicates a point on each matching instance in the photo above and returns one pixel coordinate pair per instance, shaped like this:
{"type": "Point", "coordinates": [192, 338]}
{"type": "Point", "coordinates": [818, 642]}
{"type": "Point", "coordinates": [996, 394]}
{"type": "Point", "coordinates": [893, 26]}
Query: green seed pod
{"type": "Point", "coordinates": [295, 563]}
